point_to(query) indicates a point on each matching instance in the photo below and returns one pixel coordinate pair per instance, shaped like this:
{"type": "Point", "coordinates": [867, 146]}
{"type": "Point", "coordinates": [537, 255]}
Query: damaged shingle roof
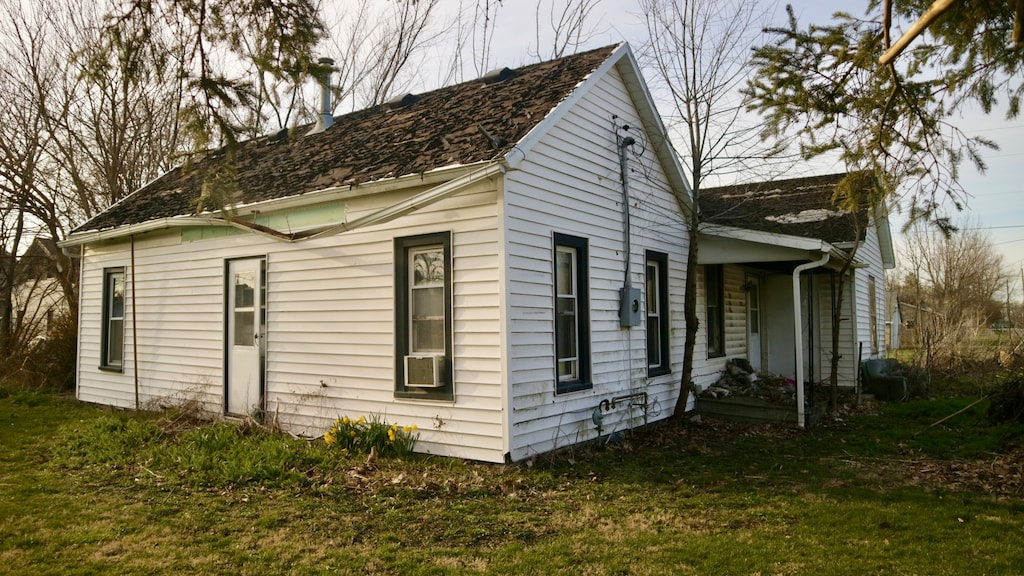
{"type": "Point", "coordinates": [796, 207]}
{"type": "Point", "coordinates": [457, 125]}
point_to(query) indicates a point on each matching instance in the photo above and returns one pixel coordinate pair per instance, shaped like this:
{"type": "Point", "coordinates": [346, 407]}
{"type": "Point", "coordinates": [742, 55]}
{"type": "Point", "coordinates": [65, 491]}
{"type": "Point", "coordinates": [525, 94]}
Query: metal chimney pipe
{"type": "Point", "coordinates": [326, 120]}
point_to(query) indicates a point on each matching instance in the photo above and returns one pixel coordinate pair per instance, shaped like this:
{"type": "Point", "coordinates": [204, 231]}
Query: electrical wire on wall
{"type": "Point", "coordinates": [627, 148]}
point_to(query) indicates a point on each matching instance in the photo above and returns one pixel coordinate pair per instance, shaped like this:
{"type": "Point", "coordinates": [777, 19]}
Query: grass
{"type": "Point", "coordinates": [85, 490]}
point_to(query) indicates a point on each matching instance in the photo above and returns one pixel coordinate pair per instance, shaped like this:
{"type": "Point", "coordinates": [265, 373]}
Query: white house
{"type": "Point", "coordinates": [38, 294]}
{"type": "Point", "coordinates": [471, 260]}
{"type": "Point", "coordinates": [771, 254]}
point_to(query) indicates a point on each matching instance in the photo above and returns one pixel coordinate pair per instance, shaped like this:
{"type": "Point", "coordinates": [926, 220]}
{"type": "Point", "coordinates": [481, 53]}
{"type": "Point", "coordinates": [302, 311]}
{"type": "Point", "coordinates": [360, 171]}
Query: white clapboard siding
{"type": "Point", "coordinates": [870, 253]}
{"type": "Point", "coordinates": [735, 311]}
{"type": "Point", "coordinates": [570, 184]}
{"type": "Point", "coordinates": [330, 324]}
{"type": "Point", "coordinates": [824, 291]}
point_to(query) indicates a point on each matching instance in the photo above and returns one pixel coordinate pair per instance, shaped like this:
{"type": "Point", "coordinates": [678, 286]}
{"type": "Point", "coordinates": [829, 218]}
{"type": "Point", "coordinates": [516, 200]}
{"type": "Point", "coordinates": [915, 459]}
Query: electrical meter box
{"type": "Point", "coordinates": [629, 307]}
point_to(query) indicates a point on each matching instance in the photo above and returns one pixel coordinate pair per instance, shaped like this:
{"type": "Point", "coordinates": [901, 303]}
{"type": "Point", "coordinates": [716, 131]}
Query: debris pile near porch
{"type": "Point", "coordinates": [743, 394]}
{"type": "Point", "coordinates": [740, 379]}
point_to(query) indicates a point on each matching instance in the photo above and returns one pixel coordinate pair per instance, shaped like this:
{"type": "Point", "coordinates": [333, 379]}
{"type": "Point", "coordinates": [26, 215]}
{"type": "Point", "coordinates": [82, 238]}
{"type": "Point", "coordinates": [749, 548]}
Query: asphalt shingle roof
{"type": "Point", "coordinates": [457, 125]}
{"type": "Point", "coordinates": [796, 207]}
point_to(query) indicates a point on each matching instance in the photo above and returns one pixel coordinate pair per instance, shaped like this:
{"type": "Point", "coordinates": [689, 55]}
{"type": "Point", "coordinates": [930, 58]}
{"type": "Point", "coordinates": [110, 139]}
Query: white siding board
{"type": "Point", "coordinates": [847, 341]}
{"type": "Point", "coordinates": [735, 312]}
{"type": "Point", "coordinates": [570, 184]}
{"type": "Point", "coordinates": [330, 318]}
{"type": "Point", "coordinates": [870, 252]}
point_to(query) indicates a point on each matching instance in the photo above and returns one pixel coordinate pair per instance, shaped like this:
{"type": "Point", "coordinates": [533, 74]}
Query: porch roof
{"type": "Point", "coordinates": [721, 244]}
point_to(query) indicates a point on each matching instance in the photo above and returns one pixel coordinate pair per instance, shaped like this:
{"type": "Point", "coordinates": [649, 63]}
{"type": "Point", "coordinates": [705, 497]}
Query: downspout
{"type": "Point", "coordinates": [135, 332]}
{"type": "Point", "coordinates": [798, 338]}
{"type": "Point", "coordinates": [78, 326]}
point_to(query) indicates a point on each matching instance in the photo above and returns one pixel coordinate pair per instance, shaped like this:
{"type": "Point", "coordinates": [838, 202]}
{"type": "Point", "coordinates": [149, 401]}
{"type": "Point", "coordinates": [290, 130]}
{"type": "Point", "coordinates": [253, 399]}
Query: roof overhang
{"type": "Point", "coordinates": [623, 62]}
{"type": "Point", "coordinates": [885, 242]}
{"type": "Point", "coordinates": [731, 245]}
{"type": "Point", "coordinates": [443, 182]}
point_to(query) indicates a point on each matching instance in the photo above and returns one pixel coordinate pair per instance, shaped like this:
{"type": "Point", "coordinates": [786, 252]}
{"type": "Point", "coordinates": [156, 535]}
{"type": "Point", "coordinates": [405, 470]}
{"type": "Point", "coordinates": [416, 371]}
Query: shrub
{"type": "Point", "coordinates": [46, 363]}
{"type": "Point", "coordinates": [1007, 402]}
{"type": "Point", "coordinates": [361, 435]}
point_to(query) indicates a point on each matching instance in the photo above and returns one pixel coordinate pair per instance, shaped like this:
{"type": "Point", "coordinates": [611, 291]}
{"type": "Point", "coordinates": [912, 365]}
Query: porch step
{"type": "Point", "coordinates": [744, 409]}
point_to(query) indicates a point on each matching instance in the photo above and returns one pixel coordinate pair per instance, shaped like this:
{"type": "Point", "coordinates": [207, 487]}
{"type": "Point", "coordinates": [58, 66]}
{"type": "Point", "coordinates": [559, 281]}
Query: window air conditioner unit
{"type": "Point", "coordinates": [423, 371]}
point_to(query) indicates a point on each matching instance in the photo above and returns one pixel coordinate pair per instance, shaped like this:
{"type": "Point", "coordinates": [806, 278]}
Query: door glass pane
{"type": "Point", "coordinates": [244, 312]}
{"type": "Point", "coordinates": [244, 328]}
{"type": "Point", "coordinates": [245, 286]}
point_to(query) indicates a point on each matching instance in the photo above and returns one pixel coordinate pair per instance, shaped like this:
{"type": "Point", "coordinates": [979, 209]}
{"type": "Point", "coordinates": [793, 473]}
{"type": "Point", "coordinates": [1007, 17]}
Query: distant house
{"type": "Point", "coordinates": [770, 254]}
{"type": "Point", "coordinates": [38, 296]}
{"type": "Point", "coordinates": [470, 260]}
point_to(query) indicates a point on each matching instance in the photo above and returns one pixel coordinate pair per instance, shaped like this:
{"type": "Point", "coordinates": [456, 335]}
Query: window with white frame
{"type": "Point", "coordinates": [657, 314]}
{"type": "Point", "coordinates": [112, 337]}
{"type": "Point", "coordinates": [572, 315]}
{"type": "Point", "coordinates": [423, 323]}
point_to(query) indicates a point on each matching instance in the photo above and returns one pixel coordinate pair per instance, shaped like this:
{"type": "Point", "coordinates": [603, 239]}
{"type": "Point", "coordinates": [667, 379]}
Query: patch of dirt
{"type": "Point", "coordinates": [1002, 474]}
{"type": "Point", "coordinates": [998, 475]}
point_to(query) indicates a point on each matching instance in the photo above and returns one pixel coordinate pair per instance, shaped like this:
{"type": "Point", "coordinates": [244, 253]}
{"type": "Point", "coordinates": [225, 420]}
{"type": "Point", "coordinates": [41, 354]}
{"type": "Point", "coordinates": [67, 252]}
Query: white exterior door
{"type": "Point", "coordinates": [754, 321]}
{"type": "Point", "coordinates": [244, 337]}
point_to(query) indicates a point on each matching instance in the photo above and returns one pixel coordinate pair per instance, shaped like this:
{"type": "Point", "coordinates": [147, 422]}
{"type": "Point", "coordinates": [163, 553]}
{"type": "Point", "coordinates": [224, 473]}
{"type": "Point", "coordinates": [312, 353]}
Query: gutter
{"type": "Point", "coordinates": [798, 337]}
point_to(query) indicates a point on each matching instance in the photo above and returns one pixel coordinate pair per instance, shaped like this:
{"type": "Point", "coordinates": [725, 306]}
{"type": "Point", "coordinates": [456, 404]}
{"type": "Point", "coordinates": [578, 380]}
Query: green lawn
{"type": "Point", "coordinates": [84, 490]}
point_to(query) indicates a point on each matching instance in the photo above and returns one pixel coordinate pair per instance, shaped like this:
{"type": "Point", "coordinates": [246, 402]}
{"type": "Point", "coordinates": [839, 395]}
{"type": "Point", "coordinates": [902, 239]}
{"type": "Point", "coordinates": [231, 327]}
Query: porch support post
{"type": "Point", "coordinates": [799, 336]}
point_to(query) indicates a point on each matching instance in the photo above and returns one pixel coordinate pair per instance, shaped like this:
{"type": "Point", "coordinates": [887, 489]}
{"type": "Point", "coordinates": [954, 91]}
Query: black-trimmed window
{"type": "Point", "coordinates": [657, 314]}
{"type": "Point", "coordinates": [112, 337]}
{"type": "Point", "coordinates": [572, 315]}
{"type": "Point", "coordinates": [423, 316]}
{"type": "Point", "coordinates": [714, 297]}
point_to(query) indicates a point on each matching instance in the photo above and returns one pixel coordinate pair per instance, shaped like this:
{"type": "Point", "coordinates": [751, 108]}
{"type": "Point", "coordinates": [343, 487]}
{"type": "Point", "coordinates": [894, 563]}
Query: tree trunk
{"type": "Point", "coordinates": [690, 314]}
{"type": "Point", "coordinates": [8, 276]}
{"type": "Point", "coordinates": [837, 318]}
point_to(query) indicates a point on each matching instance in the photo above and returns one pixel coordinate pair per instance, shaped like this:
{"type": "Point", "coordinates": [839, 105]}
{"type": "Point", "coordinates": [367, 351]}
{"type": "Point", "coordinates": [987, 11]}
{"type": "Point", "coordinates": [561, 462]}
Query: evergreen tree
{"type": "Point", "coordinates": [823, 86]}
